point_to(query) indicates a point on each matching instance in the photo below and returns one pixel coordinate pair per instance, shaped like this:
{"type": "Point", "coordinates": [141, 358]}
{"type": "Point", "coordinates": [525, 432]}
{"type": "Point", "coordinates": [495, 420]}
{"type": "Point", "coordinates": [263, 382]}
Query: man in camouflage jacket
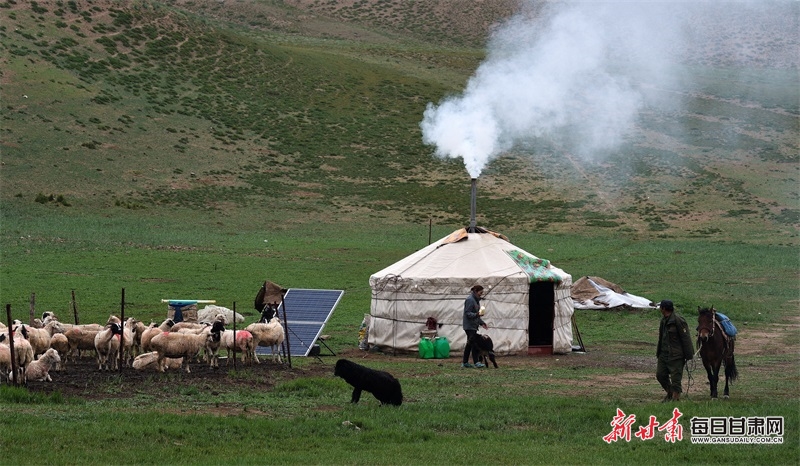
{"type": "Point", "coordinates": [673, 351]}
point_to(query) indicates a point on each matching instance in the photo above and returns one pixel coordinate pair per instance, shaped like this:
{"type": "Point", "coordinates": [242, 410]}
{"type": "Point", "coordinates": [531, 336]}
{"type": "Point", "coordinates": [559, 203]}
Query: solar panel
{"type": "Point", "coordinates": [307, 312]}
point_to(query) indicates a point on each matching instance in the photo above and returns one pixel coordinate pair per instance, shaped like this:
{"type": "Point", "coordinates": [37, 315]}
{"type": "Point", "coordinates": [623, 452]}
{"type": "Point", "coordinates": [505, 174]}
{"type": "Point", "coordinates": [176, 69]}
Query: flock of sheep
{"type": "Point", "coordinates": [49, 344]}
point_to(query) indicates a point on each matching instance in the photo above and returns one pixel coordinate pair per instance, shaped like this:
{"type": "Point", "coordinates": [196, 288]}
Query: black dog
{"type": "Point", "coordinates": [485, 348]}
{"type": "Point", "coordinates": [381, 384]}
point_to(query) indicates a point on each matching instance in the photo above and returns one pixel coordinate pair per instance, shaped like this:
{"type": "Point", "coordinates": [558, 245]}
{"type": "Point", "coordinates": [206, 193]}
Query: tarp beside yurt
{"type": "Point", "coordinates": [598, 293]}
{"type": "Point", "coordinates": [527, 299]}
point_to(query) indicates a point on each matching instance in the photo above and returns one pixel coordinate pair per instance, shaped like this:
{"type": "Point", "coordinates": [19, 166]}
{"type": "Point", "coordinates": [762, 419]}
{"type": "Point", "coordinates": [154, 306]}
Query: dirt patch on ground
{"type": "Point", "coordinates": [83, 380]}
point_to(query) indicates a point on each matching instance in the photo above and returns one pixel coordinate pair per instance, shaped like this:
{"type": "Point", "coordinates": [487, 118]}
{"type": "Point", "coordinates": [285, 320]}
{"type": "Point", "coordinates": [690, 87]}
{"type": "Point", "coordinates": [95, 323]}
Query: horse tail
{"type": "Point", "coordinates": [730, 369]}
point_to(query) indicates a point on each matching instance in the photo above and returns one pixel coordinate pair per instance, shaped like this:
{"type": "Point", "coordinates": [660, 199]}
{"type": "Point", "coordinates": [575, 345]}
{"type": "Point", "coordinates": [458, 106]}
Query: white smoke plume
{"type": "Point", "coordinates": [571, 72]}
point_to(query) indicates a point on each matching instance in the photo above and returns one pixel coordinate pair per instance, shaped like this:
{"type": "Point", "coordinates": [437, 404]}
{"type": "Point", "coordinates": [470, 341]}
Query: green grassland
{"type": "Point", "coordinates": [185, 149]}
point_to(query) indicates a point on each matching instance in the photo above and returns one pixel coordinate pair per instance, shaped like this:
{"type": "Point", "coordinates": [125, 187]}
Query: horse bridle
{"type": "Point", "coordinates": [713, 326]}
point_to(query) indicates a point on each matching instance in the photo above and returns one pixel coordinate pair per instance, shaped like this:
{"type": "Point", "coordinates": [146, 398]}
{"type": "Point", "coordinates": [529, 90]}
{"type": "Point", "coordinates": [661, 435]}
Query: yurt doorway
{"type": "Point", "coordinates": [541, 305]}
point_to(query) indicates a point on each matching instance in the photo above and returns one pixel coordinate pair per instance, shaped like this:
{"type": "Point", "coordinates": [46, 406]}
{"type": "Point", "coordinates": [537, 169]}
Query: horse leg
{"type": "Point", "coordinates": [730, 372]}
{"type": "Point", "coordinates": [713, 377]}
{"type": "Point", "coordinates": [725, 392]}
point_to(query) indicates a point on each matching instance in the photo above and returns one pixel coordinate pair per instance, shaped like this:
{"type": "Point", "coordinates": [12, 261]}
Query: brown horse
{"type": "Point", "coordinates": [716, 349]}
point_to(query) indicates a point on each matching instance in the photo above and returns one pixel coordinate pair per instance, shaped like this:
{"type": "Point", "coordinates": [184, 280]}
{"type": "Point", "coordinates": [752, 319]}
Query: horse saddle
{"type": "Point", "coordinates": [726, 325]}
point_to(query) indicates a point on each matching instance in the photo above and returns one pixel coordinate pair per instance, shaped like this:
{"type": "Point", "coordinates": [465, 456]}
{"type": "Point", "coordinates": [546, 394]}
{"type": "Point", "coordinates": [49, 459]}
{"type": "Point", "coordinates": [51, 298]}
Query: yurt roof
{"type": "Point", "coordinates": [467, 255]}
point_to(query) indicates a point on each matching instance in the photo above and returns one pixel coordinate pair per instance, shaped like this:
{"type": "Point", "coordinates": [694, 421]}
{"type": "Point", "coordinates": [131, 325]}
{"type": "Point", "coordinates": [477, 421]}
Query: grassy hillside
{"type": "Point", "coordinates": [313, 107]}
{"type": "Point", "coordinates": [156, 133]}
{"type": "Point", "coordinates": [192, 149]}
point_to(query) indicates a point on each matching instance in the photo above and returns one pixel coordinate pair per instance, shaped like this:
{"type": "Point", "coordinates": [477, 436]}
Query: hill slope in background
{"type": "Point", "coordinates": [314, 107]}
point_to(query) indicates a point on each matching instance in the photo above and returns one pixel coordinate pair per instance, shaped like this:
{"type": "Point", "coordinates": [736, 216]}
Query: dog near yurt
{"type": "Point", "coordinates": [381, 384]}
{"type": "Point", "coordinates": [485, 348]}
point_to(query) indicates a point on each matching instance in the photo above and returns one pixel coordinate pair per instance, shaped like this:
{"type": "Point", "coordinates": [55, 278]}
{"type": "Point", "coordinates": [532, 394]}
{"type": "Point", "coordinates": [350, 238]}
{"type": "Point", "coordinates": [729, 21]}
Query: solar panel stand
{"type": "Point", "coordinates": [309, 353]}
{"type": "Point", "coordinates": [286, 330]}
{"type": "Point", "coordinates": [322, 340]}
{"type": "Point", "coordinates": [303, 325]}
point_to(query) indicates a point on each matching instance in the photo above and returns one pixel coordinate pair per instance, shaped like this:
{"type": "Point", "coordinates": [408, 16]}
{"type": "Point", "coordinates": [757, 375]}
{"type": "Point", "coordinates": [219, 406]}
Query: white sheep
{"type": "Point", "coordinates": [183, 345]}
{"type": "Point", "coordinates": [152, 331]}
{"type": "Point", "coordinates": [23, 352]}
{"type": "Point", "coordinates": [211, 349]}
{"type": "Point", "coordinates": [128, 340]}
{"type": "Point", "coordinates": [187, 327]}
{"type": "Point", "coordinates": [270, 334]}
{"type": "Point", "coordinates": [107, 345]}
{"type": "Point", "coordinates": [244, 342]}
{"type": "Point", "coordinates": [5, 356]}
{"type": "Point", "coordinates": [211, 312]}
{"type": "Point", "coordinates": [149, 361]}
{"type": "Point", "coordinates": [80, 339]}
{"type": "Point", "coordinates": [91, 327]}
{"type": "Point", "coordinates": [39, 370]}
{"type": "Point", "coordinates": [212, 345]}
{"type": "Point", "coordinates": [138, 329]}
{"type": "Point", "coordinates": [60, 343]}
{"type": "Point", "coordinates": [40, 337]}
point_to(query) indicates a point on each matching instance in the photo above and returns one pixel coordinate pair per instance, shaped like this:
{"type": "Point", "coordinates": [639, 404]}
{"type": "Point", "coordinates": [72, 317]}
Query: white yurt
{"type": "Point", "coordinates": [528, 304]}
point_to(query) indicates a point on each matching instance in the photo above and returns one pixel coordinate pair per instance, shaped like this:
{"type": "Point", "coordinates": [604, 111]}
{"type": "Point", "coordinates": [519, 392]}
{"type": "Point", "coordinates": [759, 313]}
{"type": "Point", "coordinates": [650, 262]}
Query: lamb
{"type": "Point", "coordinates": [183, 345]}
{"type": "Point", "coordinates": [244, 342]}
{"type": "Point", "coordinates": [39, 370]}
{"type": "Point", "coordinates": [107, 345]}
{"type": "Point", "coordinates": [149, 361]}
{"type": "Point", "coordinates": [270, 334]}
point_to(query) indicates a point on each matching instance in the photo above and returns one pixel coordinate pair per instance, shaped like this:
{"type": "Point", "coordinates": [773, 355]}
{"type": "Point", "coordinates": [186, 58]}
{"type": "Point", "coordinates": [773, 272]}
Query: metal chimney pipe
{"type": "Point", "coordinates": [473, 205]}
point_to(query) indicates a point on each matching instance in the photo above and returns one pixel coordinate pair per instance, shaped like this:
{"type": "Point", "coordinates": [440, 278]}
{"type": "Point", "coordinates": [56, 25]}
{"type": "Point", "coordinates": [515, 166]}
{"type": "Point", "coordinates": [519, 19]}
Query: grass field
{"type": "Point", "coordinates": [194, 149]}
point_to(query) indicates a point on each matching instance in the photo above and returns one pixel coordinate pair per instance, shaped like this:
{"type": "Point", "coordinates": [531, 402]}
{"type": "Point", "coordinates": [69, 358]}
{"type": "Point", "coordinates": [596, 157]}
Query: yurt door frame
{"type": "Point", "coordinates": [541, 308]}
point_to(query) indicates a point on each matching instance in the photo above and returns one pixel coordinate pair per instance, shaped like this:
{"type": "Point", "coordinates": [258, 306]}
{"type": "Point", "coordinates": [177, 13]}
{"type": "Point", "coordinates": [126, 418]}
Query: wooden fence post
{"type": "Point", "coordinates": [14, 371]}
{"type": "Point", "coordinates": [74, 307]}
{"type": "Point", "coordinates": [234, 336]}
{"type": "Point", "coordinates": [122, 336]}
{"type": "Point", "coordinates": [32, 308]}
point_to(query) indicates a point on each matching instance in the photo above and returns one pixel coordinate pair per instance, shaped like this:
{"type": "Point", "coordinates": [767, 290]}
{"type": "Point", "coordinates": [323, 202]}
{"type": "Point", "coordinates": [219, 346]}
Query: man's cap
{"type": "Point", "coordinates": [666, 304]}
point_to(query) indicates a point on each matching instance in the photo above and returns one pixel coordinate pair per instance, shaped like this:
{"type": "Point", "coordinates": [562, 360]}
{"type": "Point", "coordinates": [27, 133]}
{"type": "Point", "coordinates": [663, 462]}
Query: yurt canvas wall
{"type": "Point", "coordinates": [527, 299]}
